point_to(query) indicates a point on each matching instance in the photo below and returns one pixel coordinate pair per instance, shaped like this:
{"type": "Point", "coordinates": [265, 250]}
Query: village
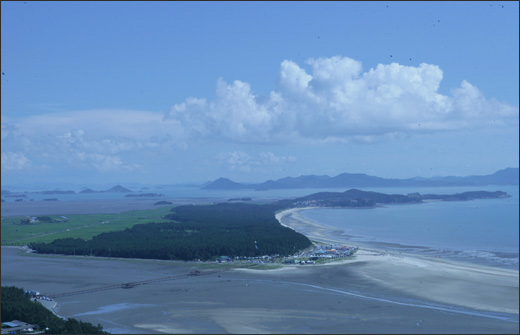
{"type": "Point", "coordinates": [319, 253]}
{"type": "Point", "coordinates": [21, 327]}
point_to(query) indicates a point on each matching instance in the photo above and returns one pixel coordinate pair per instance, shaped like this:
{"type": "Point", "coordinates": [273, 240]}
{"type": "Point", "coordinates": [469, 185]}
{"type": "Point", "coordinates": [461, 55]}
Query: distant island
{"type": "Point", "coordinates": [163, 203]}
{"type": "Point", "coordinates": [115, 189]}
{"type": "Point", "coordinates": [16, 196]}
{"type": "Point", "coordinates": [144, 195]}
{"type": "Point", "coordinates": [55, 192]}
{"type": "Point", "coordinates": [357, 198]}
{"type": "Point", "coordinates": [240, 199]}
{"type": "Point", "coordinates": [507, 176]}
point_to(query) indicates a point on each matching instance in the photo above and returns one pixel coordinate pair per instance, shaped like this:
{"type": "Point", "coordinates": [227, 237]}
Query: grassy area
{"type": "Point", "coordinates": [83, 226]}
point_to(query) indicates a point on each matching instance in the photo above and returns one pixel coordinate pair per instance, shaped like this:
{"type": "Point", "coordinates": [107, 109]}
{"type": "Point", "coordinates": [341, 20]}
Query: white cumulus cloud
{"type": "Point", "coordinates": [337, 101]}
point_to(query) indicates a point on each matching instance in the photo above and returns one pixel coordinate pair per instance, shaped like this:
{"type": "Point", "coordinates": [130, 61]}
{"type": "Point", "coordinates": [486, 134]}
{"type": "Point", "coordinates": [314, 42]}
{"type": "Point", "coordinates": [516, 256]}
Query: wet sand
{"type": "Point", "coordinates": [443, 281]}
{"type": "Point", "coordinates": [342, 298]}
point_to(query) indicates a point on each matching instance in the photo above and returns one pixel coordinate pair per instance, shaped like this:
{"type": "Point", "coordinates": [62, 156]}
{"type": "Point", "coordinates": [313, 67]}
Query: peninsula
{"type": "Point", "coordinates": [358, 198]}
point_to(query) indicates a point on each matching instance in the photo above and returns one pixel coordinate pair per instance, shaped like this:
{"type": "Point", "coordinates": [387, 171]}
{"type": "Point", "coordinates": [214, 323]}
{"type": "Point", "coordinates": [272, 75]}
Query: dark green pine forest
{"type": "Point", "coordinates": [194, 232]}
{"type": "Point", "coordinates": [17, 305]}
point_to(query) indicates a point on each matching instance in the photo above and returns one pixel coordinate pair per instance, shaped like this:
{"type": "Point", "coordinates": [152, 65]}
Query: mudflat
{"type": "Point", "coordinates": [348, 297]}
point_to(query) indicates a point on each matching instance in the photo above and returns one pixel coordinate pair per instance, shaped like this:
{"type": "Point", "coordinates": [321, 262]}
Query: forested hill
{"type": "Point", "coordinates": [195, 232]}
{"type": "Point", "coordinates": [358, 198]}
{"type": "Point", "coordinates": [17, 305]}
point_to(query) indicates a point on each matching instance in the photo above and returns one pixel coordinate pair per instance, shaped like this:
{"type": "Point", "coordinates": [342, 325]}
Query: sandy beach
{"type": "Point", "coordinates": [444, 281]}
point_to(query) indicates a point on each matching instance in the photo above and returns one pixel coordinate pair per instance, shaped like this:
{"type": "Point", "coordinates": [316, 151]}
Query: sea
{"type": "Point", "coordinates": [483, 231]}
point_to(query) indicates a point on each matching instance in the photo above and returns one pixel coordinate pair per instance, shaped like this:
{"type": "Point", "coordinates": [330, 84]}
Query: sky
{"type": "Point", "coordinates": [187, 92]}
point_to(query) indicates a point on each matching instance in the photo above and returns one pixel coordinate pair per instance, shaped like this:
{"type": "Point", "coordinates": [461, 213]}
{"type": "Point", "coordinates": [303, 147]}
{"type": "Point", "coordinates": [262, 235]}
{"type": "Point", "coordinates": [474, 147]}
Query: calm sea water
{"type": "Point", "coordinates": [479, 231]}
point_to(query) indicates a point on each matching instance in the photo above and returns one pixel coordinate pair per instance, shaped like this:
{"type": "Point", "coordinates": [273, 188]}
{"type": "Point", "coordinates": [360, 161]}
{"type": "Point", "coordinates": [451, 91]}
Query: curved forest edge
{"type": "Point", "coordinates": [205, 232]}
{"type": "Point", "coordinates": [193, 232]}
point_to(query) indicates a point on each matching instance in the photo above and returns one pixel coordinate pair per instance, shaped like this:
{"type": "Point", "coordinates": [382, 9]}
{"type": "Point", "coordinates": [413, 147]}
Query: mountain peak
{"type": "Point", "coordinates": [119, 189]}
{"type": "Point", "coordinates": [223, 183]}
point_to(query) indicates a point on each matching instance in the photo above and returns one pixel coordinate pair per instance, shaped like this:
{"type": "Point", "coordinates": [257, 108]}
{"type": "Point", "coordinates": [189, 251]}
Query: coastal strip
{"type": "Point", "coordinates": [50, 305]}
{"type": "Point", "coordinates": [314, 231]}
{"type": "Point", "coordinates": [438, 280]}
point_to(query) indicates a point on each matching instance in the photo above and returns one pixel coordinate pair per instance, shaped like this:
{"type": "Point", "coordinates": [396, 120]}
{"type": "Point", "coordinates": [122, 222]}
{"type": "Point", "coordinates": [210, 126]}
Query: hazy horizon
{"type": "Point", "coordinates": [187, 92]}
{"type": "Point", "coordinates": [42, 185]}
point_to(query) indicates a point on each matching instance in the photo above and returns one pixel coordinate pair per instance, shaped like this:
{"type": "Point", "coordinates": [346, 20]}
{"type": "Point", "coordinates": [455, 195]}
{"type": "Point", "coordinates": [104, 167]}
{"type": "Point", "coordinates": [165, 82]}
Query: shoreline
{"type": "Point", "coordinates": [50, 305]}
{"type": "Point", "coordinates": [439, 280]}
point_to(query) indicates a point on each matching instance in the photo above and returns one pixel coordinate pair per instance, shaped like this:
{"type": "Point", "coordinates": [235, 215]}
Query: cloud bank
{"type": "Point", "coordinates": [333, 101]}
{"type": "Point", "coordinates": [86, 139]}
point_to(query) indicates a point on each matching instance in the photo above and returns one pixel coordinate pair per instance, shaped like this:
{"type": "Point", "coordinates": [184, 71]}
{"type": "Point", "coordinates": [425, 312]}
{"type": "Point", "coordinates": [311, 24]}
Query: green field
{"type": "Point", "coordinates": [83, 226]}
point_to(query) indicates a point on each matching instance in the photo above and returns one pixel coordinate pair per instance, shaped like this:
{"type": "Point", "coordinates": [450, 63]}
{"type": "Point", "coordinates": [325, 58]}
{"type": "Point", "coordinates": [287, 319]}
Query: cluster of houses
{"type": "Point", "coordinates": [37, 295]}
{"type": "Point", "coordinates": [321, 252]}
{"type": "Point", "coordinates": [298, 261]}
{"type": "Point", "coordinates": [330, 251]}
{"type": "Point", "coordinates": [35, 219]}
{"type": "Point", "coordinates": [306, 257]}
{"type": "Point", "coordinates": [20, 327]}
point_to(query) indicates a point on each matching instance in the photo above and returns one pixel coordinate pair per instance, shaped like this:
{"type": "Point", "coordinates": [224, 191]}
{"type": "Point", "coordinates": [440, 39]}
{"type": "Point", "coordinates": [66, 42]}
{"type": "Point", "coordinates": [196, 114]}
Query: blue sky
{"type": "Point", "coordinates": [176, 92]}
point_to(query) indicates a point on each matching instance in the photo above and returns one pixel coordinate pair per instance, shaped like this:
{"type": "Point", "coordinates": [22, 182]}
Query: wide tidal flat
{"type": "Point", "coordinates": [341, 298]}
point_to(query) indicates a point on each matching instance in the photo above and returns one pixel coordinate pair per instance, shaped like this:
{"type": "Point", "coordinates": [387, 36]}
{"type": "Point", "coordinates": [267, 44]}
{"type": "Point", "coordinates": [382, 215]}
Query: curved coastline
{"type": "Point", "coordinates": [443, 281]}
